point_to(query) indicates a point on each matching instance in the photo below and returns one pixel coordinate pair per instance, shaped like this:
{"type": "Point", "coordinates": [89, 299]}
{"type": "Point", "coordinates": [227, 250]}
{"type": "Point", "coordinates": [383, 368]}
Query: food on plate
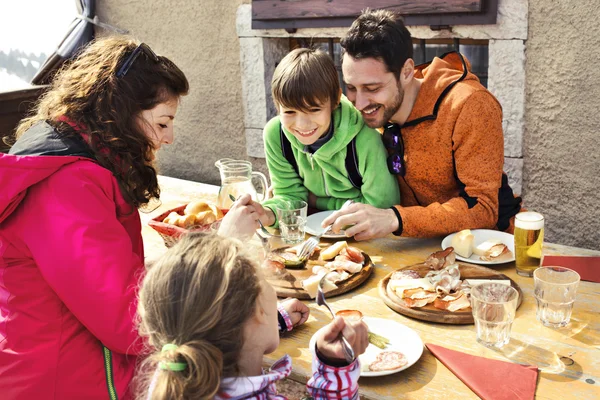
{"type": "Point", "coordinates": [481, 248]}
{"type": "Point", "coordinates": [388, 360]}
{"type": "Point", "coordinates": [350, 315]}
{"type": "Point", "coordinates": [378, 340]}
{"type": "Point", "coordinates": [311, 285]}
{"type": "Point", "coordinates": [473, 282]}
{"type": "Point", "coordinates": [441, 287]}
{"type": "Point", "coordinates": [441, 259]}
{"type": "Point", "coordinates": [452, 302]}
{"type": "Point", "coordinates": [195, 213]}
{"type": "Point", "coordinates": [346, 261]}
{"type": "Point", "coordinates": [496, 252]}
{"type": "Point", "coordinates": [274, 267]}
{"type": "Point", "coordinates": [463, 243]}
{"type": "Point", "coordinates": [289, 258]}
{"type": "Point", "coordinates": [333, 250]}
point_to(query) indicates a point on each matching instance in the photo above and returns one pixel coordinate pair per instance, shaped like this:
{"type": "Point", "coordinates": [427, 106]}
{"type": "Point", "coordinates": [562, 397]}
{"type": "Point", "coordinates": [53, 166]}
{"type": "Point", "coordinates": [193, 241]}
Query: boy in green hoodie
{"type": "Point", "coordinates": [318, 125]}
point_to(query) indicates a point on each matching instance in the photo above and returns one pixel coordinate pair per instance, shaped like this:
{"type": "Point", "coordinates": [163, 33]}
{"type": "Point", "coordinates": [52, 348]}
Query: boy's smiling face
{"type": "Point", "coordinates": [307, 125]}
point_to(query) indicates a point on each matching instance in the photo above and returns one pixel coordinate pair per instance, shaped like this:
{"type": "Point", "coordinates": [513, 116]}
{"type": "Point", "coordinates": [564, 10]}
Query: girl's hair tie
{"type": "Point", "coordinates": [171, 366]}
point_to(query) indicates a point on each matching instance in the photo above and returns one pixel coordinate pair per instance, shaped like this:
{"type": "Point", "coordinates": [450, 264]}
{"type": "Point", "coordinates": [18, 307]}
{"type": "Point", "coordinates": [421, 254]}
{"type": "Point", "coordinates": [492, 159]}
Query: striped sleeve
{"type": "Point", "coordinates": [328, 383]}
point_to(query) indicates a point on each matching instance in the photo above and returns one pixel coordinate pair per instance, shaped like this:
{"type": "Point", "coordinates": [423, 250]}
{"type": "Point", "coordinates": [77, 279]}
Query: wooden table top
{"type": "Point", "coordinates": [568, 358]}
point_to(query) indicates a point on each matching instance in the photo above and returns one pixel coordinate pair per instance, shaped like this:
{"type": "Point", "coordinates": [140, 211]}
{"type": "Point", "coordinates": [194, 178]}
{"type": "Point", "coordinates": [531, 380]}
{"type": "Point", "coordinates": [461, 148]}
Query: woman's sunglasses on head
{"type": "Point", "coordinates": [141, 48]}
{"type": "Point", "coordinates": [392, 140]}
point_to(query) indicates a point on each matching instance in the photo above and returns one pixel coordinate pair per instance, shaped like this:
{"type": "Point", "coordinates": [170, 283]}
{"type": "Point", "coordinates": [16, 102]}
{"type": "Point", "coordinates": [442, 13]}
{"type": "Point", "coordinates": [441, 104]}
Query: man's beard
{"type": "Point", "coordinates": [388, 110]}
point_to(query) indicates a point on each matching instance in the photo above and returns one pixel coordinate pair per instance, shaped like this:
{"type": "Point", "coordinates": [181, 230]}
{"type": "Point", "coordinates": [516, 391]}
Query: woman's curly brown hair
{"type": "Point", "coordinates": [107, 109]}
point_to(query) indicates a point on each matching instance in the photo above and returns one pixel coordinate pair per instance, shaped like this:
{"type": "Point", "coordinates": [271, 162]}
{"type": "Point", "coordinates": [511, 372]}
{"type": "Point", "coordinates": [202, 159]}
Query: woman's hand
{"type": "Point", "coordinates": [329, 344]}
{"type": "Point", "coordinates": [297, 310]}
{"type": "Point", "coordinates": [242, 219]}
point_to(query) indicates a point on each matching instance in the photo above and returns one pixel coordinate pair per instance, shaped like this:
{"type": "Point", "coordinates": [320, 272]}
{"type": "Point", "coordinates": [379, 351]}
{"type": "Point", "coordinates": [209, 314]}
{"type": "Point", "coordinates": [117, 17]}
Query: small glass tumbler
{"type": "Point", "coordinates": [494, 306]}
{"type": "Point", "coordinates": [292, 220]}
{"type": "Point", "coordinates": [554, 290]}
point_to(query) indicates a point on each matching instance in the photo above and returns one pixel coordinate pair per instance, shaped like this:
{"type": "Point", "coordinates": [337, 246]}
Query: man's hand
{"type": "Point", "coordinates": [297, 310]}
{"type": "Point", "coordinates": [367, 222]}
{"type": "Point", "coordinates": [329, 343]}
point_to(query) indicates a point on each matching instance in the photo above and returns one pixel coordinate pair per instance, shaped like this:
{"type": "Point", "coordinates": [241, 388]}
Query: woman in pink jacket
{"type": "Point", "coordinates": [71, 252]}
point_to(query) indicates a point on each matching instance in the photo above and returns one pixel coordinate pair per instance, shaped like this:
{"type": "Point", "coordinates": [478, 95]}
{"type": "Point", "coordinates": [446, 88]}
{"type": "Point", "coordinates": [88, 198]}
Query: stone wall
{"type": "Point", "coordinates": [562, 133]}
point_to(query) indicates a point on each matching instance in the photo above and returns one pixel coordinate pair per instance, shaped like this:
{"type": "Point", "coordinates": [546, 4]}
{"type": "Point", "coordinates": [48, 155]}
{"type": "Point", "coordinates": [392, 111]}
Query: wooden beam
{"type": "Point", "coordinates": [266, 10]}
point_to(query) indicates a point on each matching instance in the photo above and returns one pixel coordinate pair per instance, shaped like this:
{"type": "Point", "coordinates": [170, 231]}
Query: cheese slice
{"type": "Point", "coordinates": [474, 282]}
{"type": "Point", "coordinates": [481, 248]}
{"type": "Point", "coordinates": [463, 243]}
{"type": "Point", "coordinates": [311, 285]}
{"type": "Point", "coordinates": [333, 250]}
{"type": "Point", "coordinates": [400, 285]}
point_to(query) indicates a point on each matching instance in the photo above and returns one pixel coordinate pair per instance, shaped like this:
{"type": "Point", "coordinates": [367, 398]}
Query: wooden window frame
{"type": "Point", "coordinates": [292, 14]}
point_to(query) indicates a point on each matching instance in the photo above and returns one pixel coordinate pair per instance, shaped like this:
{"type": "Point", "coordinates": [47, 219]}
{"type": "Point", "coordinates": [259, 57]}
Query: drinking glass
{"type": "Point", "coordinates": [292, 220]}
{"type": "Point", "coordinates": [494, 306]}
{"type": "Point", "coordinates": [529, 238]}
{"type": "Point", "coordinates": [555, 289]}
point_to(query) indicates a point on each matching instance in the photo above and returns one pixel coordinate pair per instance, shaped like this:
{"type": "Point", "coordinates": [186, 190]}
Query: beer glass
{"type": "Point", "coordinates": [529, 238]}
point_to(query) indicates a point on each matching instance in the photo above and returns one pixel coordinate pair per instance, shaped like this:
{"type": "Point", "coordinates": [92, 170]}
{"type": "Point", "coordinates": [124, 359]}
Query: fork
{"type": "Point", "coordinates": [312, 242]}
{"type": "Point", "coordinates": [348, 352]}
{"type": "Point", "coordinates": [262, 227]}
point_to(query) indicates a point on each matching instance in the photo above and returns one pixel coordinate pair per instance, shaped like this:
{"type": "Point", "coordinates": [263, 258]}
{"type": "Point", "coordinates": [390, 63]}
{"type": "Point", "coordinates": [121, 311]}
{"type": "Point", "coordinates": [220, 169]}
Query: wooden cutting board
{"type": "Point", "coordinates": [290, 284]}
{"type": "Point", "coordinates": [429, 312]}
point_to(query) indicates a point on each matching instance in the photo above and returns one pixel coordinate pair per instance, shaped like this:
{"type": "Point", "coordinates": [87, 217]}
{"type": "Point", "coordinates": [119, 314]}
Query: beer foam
{"type": "Point", "coordinates": [529, 220]}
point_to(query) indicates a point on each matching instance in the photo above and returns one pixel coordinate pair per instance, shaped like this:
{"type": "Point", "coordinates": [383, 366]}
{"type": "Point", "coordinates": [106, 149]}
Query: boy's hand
{"type": "Point", "coordinates": [329, 343]}
{"type": "Point", "coordinates": [297, 310]}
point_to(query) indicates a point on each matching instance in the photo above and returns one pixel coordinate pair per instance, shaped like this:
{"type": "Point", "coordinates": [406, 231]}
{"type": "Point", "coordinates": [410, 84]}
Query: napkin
{"type": "Point", "coordinates": [489, 379]}
{"type": "Point", "coordinates": [588, 267]}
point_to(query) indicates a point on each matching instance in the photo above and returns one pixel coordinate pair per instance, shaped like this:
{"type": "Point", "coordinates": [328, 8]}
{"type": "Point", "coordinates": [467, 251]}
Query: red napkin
{"type": "Point", "coordinates": [489, 379]}
{"type": "Point", "coordinates": [588, 267]}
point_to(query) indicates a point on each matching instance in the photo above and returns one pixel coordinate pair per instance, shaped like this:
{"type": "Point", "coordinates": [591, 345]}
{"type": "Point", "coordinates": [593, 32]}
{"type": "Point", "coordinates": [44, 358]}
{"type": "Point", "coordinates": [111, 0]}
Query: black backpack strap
{"type": "Point", "coordinates": [286, 149]}
{"type": "Point", "coordinates": [352, 164]}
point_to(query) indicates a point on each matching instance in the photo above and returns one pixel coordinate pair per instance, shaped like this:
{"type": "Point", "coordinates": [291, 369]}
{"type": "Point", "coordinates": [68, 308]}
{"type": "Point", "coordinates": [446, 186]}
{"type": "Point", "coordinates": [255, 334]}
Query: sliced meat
{"type": "Point", "coordinates": [457, 301]}
{"type": "Point", "coordinates": [353, 254]}
{"type": "Point", "coordinates": [441, 259]}
{"type": "Point", "coordinates": [405, 274]}
{"type": "Point", "coordinates": [387, 361]}
{"type": "Point", "coordinates": [350, 315]}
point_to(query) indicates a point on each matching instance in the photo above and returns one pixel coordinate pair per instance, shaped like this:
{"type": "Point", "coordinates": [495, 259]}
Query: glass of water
{"type": "Point", "coordinates": [494, 306]}
{"type": "Point", "coordinates": [554, 289]}
{"type": "Point", "coordinates": [292, 220]}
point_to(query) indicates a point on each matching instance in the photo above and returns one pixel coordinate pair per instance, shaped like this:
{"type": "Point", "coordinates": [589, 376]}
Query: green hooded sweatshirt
{"type": "Point", "coordinates": [324, 172]}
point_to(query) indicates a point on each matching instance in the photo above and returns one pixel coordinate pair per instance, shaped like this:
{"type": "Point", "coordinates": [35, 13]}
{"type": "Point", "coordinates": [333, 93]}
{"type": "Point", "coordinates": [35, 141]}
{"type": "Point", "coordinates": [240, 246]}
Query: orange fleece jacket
{"type": "Point", "coordinates": [454, 155]}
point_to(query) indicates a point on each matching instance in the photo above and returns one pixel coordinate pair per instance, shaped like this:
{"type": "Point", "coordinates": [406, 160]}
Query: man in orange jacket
{"type": "Point", "coordinates": [442, 129]}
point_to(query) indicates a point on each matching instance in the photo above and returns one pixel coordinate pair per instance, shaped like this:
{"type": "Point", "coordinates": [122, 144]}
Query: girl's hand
{"type": "Point", "coordinates": [297, 310]}
{"type": "Point", "coordinates": [329, 343]}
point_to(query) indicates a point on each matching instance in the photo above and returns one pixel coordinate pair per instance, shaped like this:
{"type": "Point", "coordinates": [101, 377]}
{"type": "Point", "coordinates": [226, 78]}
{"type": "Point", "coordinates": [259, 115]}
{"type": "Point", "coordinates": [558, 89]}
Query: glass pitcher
{"type": "Point", "coordinates": [236, 180]}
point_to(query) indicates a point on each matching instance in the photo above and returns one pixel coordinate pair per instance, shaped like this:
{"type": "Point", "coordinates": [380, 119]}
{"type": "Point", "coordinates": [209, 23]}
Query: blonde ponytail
{"type": "Point", "coordinates": [198, 297]}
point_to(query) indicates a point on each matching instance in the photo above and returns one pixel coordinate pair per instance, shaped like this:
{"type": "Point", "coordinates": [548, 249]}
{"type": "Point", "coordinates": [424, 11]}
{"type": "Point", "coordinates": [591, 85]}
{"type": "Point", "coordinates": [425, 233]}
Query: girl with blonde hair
{"type": "Point", "coordinates": [211, 317]}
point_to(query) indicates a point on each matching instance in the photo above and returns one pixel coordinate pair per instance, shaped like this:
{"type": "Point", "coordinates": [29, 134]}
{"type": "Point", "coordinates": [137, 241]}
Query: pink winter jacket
{"type": "Point", "coordinates": [71, 258]}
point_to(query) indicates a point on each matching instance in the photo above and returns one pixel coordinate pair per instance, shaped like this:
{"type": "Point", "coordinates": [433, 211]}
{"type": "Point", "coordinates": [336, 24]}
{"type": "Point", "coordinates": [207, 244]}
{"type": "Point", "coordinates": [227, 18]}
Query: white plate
{"type": "Point", "coordinates": [481, 235]}
{"type": "Point", "coordinates": [313, 225]}
{"type": "Point", "coordinates": [402, 339]}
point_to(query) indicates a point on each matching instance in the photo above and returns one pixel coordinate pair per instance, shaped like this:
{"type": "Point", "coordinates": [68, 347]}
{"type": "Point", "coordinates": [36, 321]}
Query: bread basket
{"type": "Point", "coordinates": [171, 233]}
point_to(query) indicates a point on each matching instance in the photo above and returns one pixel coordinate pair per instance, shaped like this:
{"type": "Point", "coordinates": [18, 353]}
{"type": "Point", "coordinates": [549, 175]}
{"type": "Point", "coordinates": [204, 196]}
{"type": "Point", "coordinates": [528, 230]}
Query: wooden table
{"type": "Point", "coordinates": [568, 358]}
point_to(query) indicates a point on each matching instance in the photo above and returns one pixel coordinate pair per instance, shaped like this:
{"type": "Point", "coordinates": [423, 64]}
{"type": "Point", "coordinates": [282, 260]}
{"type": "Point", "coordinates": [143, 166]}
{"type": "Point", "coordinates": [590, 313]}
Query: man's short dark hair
{"type": "Point", "coordinates": [379, 34]}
